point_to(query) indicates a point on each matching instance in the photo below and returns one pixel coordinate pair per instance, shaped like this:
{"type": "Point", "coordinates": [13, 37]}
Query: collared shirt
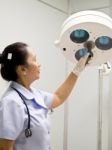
{"type": "Point", "coordinates": [14, 117]}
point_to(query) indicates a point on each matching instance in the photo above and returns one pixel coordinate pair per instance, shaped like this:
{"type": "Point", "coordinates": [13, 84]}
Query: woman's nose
{"type": "Point", "coordinates": [39, 65]}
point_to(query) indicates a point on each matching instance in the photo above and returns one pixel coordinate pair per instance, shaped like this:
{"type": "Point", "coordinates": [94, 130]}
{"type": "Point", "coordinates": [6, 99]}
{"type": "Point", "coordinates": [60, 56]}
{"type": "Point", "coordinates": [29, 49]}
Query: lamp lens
{"type": "Point", "coordinates": [80, 53]}
{"type": "Point", "coordinates": [103, 42]}
{"type": "Point", "coordinates": [79, 36]}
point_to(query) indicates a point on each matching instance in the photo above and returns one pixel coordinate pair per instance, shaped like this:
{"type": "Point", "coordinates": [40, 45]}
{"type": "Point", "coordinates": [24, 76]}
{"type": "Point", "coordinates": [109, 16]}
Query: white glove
{"type": "Point", "coordinates": [81, 65]}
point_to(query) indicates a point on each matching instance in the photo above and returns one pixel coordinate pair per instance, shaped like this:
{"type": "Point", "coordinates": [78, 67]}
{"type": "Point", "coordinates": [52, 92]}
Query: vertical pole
{"type": "Point", "coordinates": [65, 135]}
{"type": "Point", "coordinates": [110, 112]}
{"type": "Point", "coordinates": [99, 135]}
{"type": "Point", "coordinates": [66, 112]}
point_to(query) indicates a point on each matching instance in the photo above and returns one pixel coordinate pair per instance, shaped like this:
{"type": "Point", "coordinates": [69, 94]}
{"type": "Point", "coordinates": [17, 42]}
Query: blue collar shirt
{"type": "Point", "coordinates": [14, 117]}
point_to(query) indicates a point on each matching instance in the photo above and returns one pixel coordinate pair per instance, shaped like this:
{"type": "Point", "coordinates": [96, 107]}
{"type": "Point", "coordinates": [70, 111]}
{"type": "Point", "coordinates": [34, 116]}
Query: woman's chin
{"type": "Point", "coordinates": [38, 77]}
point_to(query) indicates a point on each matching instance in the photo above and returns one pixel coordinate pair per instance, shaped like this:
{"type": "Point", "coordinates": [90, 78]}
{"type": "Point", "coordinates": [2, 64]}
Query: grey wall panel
{"type": "Point", "coordinates": [83, 113]}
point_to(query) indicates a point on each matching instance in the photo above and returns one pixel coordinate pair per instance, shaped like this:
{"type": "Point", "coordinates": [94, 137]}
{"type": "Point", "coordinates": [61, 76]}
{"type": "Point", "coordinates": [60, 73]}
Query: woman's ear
{"type": "Point", "coordinates": [21, 70]}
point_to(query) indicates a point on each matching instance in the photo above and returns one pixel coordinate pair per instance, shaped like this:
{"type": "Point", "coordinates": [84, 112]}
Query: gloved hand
{"type": "Point", "coordinates": [81, 65]}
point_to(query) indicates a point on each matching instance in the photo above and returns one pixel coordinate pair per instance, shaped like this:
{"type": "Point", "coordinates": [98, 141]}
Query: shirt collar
{"type": "Point", "coordinates": [27, 93]}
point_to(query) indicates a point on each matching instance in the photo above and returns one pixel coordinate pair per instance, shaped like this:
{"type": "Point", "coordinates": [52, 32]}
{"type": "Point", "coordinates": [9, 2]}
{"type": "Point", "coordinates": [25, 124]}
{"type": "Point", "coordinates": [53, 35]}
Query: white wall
{"type": "Point", "coordinates": [83, 104]}
{"type": "Point", "coordinates": [38, 25]}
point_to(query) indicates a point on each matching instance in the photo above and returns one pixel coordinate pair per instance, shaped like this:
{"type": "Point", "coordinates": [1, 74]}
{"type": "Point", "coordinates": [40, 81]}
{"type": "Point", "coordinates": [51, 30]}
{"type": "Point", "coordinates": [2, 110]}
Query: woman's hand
{"type": "Point", "coordinates": [81, 65]}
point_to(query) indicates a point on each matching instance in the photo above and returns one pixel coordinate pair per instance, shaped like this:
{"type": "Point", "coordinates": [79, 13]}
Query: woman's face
{"type": "Point", "coordinates": [33, 67]}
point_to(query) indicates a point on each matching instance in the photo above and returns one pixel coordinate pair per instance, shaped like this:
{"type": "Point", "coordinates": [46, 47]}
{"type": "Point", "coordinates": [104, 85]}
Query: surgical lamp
{"type": "Point", "coordinates": [87, 32]}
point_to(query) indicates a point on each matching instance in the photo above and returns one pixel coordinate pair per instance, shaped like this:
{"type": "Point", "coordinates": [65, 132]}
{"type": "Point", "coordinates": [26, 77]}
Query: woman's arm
{"type": "Point", "coordinates": [61, 94]}
{"type": "Point", "coordinates": [6, 144]}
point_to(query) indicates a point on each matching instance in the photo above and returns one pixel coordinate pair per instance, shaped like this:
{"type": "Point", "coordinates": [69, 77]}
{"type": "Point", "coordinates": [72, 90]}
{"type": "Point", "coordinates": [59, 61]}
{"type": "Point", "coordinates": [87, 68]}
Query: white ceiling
{"type": "Point", "coordinates": [77, 5]}
{"type": "Point", "coordinates": [60, 4]}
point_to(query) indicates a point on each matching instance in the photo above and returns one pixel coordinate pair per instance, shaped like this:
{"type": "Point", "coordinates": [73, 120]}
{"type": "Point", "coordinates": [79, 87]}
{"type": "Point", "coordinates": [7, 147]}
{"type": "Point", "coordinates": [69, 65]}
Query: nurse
{"type": "Point", "coordinates": [24, 110]}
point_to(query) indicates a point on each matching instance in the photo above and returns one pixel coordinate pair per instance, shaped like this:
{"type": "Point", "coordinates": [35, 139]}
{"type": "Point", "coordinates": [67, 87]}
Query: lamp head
{"type": "Point", "coordinates": [87, 31]}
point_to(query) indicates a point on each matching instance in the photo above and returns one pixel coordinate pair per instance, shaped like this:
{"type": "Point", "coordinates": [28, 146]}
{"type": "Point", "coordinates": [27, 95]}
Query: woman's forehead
{"type": "Point", "coordinates": [31, 52]}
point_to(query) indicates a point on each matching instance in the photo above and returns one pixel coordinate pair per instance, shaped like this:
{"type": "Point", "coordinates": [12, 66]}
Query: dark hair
{"type": "Point", "coordinates": [13, 55]}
